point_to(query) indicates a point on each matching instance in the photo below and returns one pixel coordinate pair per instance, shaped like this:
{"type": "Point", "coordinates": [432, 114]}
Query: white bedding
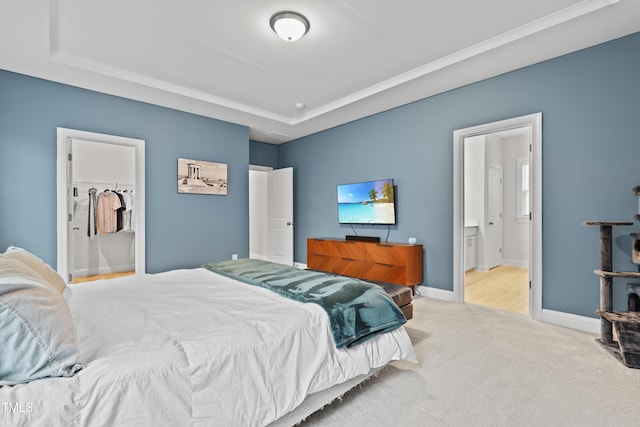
{"type": "Point", "coordinates": [192, 348]}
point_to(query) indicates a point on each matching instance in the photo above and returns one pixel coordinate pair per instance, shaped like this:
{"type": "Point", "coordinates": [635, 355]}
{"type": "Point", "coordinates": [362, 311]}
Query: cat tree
{"type": "Point", "coordinates": [626, 324]}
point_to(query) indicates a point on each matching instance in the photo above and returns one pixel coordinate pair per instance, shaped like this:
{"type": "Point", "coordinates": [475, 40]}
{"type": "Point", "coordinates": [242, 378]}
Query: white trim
{"type": "Point", "coordinates": [260, 168]}
{"type": "Point", "coordinates": [534, 121]}
{"type": "Point", "coordinates": [573, 321]}
{"type": "Point", "coordinates": [300, 265]}
{"type": "Point", "coordinates": [506, 38]}
{"type": "Point", "coordinates": [435, 293]}
{"type": "Point", "coordinates": [165, 86]}
{"type": "Point", "coordinates": [558, 318]}
{"type": "Point", "coordinates": [515, 262]}
{"type": "Point", "coordinates": [63, 135]}
{"type": "Point", "coordinates": [82, 272]}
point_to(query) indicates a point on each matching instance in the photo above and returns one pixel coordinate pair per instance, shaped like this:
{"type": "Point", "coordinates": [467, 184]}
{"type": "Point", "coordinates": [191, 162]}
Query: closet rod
{"type": "Point", "coordinates": [103, 183]}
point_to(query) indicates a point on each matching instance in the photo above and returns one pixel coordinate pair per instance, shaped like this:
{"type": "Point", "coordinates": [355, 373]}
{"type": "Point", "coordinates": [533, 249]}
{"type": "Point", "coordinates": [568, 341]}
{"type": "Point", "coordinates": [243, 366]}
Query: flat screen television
{"type": "Point", "coordinates": [370, 202]}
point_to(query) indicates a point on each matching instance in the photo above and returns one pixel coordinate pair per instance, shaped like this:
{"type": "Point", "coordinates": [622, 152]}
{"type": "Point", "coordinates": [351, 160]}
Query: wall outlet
{"type": "Point", "coordinates": [234, 257]}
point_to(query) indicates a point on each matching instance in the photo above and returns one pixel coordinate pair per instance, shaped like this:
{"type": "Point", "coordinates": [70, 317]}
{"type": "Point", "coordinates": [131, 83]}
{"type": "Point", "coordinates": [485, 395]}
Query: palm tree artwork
{"type": "Point", "coordinates": [387, 192]}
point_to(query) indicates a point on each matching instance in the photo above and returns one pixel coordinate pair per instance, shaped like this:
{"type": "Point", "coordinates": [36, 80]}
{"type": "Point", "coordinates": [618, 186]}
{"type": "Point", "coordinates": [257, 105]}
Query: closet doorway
{"type": "Point", "coordinates": [92, 166]}
{"type": "Point", "coordinates": [480, 217]}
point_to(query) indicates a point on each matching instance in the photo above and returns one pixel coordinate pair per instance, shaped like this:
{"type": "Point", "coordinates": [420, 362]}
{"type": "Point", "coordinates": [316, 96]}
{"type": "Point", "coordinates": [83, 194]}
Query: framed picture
{"type": "Point", "coordinates": [200, 177]}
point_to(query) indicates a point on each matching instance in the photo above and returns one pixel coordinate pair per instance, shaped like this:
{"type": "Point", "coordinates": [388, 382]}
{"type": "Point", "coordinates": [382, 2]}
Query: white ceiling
{"type": "Point", "coordinates": [221, 59]}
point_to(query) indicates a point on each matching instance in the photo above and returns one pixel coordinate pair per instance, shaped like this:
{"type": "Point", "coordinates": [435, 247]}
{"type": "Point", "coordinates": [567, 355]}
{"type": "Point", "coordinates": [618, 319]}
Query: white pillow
{"type": "Point", "coordinates": [48, 274]}
{"type": "Point", "coordinates": [37, 337]}
{"type": "Point", "coordinates": [10, 266]}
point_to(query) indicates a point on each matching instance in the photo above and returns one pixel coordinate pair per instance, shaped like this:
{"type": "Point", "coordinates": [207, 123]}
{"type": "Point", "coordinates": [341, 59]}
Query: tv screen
{"type": "Point", "coordinates": [370, 202]}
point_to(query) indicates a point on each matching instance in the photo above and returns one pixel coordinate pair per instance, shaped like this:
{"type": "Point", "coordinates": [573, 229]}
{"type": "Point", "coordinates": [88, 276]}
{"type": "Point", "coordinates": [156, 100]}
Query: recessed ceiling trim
{"type": "Point", "coordinates": [548, 21]}
{"type": "Point", "coordinates": [163, 85]}
{"type": "Point", "coordinates": [56, 55]}
{"type": "Point", "coordinates": [275, 138]}
{"type": "Point", "coordinates": [564, 15]}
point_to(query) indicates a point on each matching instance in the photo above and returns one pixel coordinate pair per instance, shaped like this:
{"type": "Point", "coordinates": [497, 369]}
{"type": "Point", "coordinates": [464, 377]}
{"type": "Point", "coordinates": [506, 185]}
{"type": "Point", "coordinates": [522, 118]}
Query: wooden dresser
{"type": "Point", "coordinates": [396, 263]}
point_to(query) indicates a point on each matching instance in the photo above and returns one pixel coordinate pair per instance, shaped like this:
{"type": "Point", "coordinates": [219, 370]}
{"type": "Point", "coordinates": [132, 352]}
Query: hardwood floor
{"type": "Point", "coordinates": [101, 276]}
{"type": "Point", "coordinates": [503, 287]}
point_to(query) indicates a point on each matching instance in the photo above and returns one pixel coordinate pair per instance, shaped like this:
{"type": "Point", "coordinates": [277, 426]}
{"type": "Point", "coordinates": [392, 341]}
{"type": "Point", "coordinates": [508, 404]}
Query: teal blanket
{"type": "Point", "coordinates": [357, 310]}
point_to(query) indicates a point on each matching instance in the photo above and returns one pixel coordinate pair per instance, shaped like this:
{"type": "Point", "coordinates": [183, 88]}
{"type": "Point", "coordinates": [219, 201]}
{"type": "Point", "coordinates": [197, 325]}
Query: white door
{"type": "Point", "coordinates": [494, 217]}
{"type": "Point", "coordinates": [281, 216]}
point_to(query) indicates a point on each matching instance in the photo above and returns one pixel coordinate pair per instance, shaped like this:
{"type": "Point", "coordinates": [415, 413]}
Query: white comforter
{"type": "Point", "coordinates": [192, 348]}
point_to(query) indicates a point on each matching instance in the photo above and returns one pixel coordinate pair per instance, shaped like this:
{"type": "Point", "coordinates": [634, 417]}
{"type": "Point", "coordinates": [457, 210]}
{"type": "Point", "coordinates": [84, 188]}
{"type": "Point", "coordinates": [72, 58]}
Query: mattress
{"type": "Point", "coordinates": [192, 348]}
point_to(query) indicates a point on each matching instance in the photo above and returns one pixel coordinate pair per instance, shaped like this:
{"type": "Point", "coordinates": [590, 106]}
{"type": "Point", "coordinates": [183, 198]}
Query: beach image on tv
{"type": "Point", "coordinates": [369, 202]}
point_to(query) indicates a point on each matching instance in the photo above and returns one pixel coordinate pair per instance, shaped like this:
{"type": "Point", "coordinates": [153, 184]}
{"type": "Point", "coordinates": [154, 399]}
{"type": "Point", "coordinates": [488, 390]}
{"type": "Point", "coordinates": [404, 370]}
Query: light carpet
{"type": "Point", "coordinates": [483, 367]}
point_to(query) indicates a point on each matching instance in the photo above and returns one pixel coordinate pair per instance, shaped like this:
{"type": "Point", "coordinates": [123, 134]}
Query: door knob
{"type": "Point", "coordinates": [490, 223]}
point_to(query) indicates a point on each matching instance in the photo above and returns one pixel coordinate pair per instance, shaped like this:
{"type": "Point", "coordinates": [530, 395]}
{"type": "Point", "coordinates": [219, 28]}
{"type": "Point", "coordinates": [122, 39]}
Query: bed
{"type": "Point", "coordinates": [189, 347]}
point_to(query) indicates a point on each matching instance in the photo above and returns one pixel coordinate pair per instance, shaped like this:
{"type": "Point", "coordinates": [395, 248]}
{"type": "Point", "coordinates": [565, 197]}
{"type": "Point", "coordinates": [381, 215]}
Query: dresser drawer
{"type": "Point", "coordinates": [342, 266]}
{"type": "Point", "coordinates": [388, 254]}
{"type": "Point", "coordinates": [336, 248]}
{"type": "Point", "coordinates": [396, 274]}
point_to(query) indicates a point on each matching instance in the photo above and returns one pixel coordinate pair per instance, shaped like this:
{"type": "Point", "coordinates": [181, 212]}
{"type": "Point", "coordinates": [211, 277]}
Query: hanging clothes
{"type": "Point", "coordinates": [107, 212]}
{"type": "Point", "coordinates": [92, 227]}
{"type": "Point", "coordinates": [126, 214]}
{"type": "Point", "coordinates": [120, 212]}
{"type": "Point", "coordinates": [132, 215]}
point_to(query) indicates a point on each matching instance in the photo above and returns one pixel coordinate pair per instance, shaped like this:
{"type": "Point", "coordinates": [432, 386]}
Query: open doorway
{"type": "Point", "coordinates": [496, 219]}
{"type": "Point", "coordinates": [479, 216]}
{"type": "Point", "coordinates": [89, 165]}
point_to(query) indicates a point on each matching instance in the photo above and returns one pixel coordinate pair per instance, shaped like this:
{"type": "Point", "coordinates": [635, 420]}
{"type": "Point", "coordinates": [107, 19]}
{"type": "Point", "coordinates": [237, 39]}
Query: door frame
{"type": "Point", "coordinates": [261, 216]}
{"type": "Point", "coordinates": [258, 211]}
{"type": "Point", "coordinates": [534, 121]}
{"type": "Point", "coordinates": [64, 193]}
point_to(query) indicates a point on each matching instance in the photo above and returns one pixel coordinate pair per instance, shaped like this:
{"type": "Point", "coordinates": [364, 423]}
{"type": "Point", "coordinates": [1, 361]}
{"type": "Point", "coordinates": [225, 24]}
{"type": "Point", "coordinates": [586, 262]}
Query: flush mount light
{"type": "Point", "coordinates": [290, 26]}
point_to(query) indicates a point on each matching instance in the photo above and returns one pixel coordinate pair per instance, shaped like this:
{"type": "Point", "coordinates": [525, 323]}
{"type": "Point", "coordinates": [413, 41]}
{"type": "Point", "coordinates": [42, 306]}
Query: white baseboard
{"type": "Point", "coordinates": [567, 320]}
{"type": "Point", "coordinates": [516, 263]}
{"type": "Point", "coordinates": [559, 318]}
{"type": "Point", "coordinates": [573, 321]}
{"type": "Point", "coordinates": [93, 271]}
{"type": "Point", "coordinates": [435, 293]}
{"type": "Point", "coordinates": [300, 265]}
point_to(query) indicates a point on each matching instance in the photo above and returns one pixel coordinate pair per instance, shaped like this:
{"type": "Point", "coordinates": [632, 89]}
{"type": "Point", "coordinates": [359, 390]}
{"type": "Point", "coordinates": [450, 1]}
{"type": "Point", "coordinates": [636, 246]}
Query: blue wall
{"type": "Point", "coordinates": [183, 230]}
{"type": "Point", "coordinates": [590, 102]}
{"type": "Point", "coordinates": [262, 154]}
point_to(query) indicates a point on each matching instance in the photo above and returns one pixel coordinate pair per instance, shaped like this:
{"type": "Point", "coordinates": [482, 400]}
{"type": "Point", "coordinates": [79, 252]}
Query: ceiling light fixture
{"type": "Point", "coordinates": [290, 26]}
